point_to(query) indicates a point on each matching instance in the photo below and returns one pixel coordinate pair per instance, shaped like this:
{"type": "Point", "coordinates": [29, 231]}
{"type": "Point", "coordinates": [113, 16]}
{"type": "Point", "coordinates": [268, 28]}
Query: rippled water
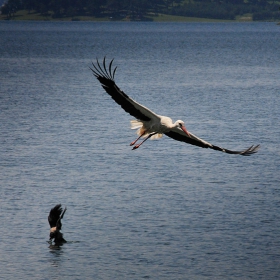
{"type": "Point", "coordinates": [168, 210]}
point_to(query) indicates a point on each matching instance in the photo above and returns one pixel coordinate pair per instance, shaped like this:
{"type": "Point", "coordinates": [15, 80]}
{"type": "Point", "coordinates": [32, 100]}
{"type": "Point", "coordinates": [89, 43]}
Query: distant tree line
{"type": "Point", "coordinates": [139, 9]}
{"type": "Point", "coordinates": [229, 9]}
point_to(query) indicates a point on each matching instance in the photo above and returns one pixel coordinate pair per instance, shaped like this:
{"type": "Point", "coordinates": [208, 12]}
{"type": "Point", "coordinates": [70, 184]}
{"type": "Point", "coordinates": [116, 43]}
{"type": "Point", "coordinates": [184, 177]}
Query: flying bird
{"type": "Point", "coordinates": [55, 217]}
{"type": "Point", "coordinates": [148, 123]}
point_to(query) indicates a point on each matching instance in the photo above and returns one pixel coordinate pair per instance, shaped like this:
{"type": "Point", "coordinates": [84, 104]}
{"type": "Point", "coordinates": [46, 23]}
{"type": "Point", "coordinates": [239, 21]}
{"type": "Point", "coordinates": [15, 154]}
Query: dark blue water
{"type": "Point", "coordinates": [168, 210]}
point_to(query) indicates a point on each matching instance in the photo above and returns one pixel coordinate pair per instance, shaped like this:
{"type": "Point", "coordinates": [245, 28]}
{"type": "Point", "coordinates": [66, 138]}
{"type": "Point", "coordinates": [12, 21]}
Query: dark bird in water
{"type": "Point", "coordinates": [55, 217]}
{"type": "Point", "coordinates": [149, 124]}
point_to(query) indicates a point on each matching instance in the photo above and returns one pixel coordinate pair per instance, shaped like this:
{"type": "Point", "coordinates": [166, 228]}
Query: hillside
{"type": "Point", "coordinates": [143, 9]}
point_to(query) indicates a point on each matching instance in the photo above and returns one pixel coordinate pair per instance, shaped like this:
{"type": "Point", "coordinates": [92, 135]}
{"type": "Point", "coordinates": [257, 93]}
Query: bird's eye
{"type": "Point", "coordinates": [180, 124]}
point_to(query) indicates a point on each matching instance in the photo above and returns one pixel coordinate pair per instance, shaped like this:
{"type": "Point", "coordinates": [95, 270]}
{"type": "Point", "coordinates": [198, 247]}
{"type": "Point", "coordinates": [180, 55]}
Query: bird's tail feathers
{"type": "Point", "coordinates": [135, 124]}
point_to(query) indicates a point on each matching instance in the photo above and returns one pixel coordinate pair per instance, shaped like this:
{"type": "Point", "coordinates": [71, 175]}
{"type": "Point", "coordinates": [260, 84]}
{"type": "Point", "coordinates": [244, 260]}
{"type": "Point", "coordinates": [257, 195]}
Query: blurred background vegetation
{"type": "Point", "coordinates": [144, 9]}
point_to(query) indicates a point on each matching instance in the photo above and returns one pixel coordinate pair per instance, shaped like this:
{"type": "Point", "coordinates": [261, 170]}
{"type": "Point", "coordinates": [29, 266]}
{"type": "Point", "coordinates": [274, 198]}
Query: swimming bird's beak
{"type": "Point", "coordinates": [185, 130]}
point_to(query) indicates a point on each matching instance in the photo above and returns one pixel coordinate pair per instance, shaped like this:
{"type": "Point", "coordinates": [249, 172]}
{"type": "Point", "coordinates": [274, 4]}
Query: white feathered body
{"type": "Point", "coordinates": [161, 125]}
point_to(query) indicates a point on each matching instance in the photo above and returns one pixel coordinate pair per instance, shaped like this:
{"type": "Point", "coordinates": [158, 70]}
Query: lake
{"type": "Point", "coordinates": [167, 210]}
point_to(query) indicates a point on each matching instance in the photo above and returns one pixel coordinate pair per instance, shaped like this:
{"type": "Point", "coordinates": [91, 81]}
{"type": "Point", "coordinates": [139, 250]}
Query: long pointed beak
{"type": "Point", "coordinates": [185, 130]}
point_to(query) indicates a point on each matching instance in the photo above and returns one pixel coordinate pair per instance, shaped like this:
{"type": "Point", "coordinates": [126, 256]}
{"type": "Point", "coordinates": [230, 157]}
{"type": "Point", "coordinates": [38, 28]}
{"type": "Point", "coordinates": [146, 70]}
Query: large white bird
{"type": "Point", "coordinates": [149, 124]}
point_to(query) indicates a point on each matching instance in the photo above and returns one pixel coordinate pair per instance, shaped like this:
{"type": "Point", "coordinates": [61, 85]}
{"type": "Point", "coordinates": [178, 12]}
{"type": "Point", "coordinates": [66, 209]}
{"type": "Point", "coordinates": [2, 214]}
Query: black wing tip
{"type": "Point", "coordinates": [56, 211]}
{"type": "Point", "coordinates": [251, 150]}
{"type": "Point", "coordinates": [56, 207]}
{"type": "Point", "coordinates": [100, 71]}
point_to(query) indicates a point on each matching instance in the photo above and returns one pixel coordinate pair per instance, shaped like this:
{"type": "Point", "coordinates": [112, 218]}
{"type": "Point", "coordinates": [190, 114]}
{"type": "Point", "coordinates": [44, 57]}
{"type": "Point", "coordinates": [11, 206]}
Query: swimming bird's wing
{"type": "Point", "coordinates": [106, 77]}
{"type": "Point", "coordinates": [179, 135]}
{"type": "Point", "coordinates": [55, 216]}
{"type": "Point", "coordinates": [58, 223]}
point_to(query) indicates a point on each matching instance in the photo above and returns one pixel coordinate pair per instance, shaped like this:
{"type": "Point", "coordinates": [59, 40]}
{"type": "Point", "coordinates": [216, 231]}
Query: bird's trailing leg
{"type": "Point", "coordinates": [133, 143]}
{"type": "Point", "coordinates": [137, 146]}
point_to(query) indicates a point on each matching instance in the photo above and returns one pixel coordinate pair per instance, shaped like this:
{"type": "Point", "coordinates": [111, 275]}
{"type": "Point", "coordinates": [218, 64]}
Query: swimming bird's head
{"type": "Point", "coordinates": [53, 233]}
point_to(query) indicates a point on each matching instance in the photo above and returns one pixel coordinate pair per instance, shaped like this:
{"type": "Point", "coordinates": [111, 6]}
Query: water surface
{"type": "Point", "coordinates": [168, 210]}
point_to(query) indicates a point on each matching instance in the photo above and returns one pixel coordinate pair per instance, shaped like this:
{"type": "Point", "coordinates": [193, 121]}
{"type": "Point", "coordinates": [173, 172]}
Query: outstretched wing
{"type": "Point", "coordinates": [55, 216]}
{"type": "Point", "coordinates": [179, 135]}
{"type": "Point", "coordinates": [106, 77]}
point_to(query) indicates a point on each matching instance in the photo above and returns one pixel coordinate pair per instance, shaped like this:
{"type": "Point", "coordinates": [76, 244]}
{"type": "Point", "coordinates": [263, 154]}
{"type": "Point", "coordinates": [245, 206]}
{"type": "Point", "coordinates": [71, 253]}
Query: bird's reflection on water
{"type": "Point", "coordinates": [55, 246]}
{"type": "Point", "coordinates": [56, 254]}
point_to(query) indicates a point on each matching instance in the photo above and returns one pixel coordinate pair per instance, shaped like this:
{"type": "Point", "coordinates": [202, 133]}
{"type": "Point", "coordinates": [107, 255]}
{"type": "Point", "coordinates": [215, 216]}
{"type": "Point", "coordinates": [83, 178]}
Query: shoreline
{"type": "Point", "coordinates": [24, 15]}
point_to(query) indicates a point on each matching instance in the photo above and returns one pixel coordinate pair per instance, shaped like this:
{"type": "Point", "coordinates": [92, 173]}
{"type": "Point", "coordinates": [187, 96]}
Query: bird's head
{"type": "Point", "coordinates": [53, 233]}
{"type": "Point", "coordinates": [181, 125]}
